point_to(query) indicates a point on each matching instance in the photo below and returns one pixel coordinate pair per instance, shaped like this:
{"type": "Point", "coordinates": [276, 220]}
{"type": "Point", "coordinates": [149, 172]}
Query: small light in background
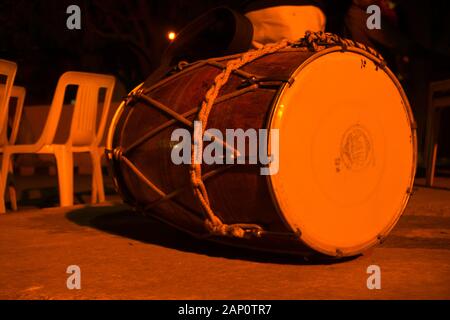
{"type": "Point", "coordinates": [171, 35]}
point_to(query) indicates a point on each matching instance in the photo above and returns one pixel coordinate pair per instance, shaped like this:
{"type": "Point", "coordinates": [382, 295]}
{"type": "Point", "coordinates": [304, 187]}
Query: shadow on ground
{"type": "Point", "coordinates": [122, 221]}
{"type": "Point", "coordinates": [420, 232]}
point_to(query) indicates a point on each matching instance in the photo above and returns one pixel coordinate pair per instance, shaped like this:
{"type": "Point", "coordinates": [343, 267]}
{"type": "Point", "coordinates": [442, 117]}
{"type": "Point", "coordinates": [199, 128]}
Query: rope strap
{"type": "Point", "coordinates": [214, 225]}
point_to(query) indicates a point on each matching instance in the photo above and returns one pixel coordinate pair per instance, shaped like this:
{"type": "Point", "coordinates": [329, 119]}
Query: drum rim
{"type": "Point", "coordinates": [347, 252]}
{"type": "Point", "coordinates": [109, 148]}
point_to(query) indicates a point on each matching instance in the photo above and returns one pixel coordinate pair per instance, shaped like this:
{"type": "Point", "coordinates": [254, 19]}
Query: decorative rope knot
{"type": "Point", "coordinates": [133, 97]}
{"type": "Point", "coordinates": [117, 153]}
{"type": "Point", "coordinates": [216, 227]}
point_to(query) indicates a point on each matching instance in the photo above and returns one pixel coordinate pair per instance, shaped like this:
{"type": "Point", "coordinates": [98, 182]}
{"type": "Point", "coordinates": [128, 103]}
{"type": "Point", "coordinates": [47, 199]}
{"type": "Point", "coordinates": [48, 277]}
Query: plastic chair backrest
{"type": "Point", "coordinates": [84, 119]}
{"type": "Point", "coordinates": [19, 93]}
{"type": "Point", "coordinates": [8, 69]}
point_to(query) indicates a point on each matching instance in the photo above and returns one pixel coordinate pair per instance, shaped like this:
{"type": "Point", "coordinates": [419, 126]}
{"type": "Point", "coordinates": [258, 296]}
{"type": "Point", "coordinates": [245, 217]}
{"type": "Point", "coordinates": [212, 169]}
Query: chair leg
{"type": "Point", "coordinates": [12, 188]}
{"type": "Point", "coordinates": [64, 162]}
{"type": "Point", "coordinates": [94, 189]}
{"type": "Point", "coordinates": [432, 146]}
{"type": "Point", "coordinates": [3, 180]}
{"type": "Point", "coordinates": [13, 197]}
{"type": "Point", "coordinates": [98, 191]}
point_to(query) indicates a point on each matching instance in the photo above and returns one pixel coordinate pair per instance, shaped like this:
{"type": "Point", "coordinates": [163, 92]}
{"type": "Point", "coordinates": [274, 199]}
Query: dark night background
{"type": "Point", "coordinates": [127, 37]}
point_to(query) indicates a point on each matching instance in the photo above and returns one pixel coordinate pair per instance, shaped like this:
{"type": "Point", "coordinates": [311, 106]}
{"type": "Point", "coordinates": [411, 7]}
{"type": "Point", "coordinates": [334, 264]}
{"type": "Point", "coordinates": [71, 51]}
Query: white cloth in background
{"type": "Point", "coordinates": [284, 22]}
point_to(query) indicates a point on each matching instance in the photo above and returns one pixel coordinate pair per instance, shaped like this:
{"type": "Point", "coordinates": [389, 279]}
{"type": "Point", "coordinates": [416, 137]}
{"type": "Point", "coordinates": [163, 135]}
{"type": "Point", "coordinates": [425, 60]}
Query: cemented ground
{"type": "Point", "coordinates": [124, 256]}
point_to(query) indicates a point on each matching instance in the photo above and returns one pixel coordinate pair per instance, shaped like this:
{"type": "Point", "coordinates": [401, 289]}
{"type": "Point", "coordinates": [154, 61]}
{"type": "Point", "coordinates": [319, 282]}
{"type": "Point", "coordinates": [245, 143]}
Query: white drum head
{"type": "Point", "coordinates": [347, 152]}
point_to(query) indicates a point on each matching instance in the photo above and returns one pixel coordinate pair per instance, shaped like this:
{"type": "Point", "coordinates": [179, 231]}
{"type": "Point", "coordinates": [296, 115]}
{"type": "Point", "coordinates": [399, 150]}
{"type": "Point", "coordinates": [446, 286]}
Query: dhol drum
{"type": "Point", "coordinates": [341, 164]}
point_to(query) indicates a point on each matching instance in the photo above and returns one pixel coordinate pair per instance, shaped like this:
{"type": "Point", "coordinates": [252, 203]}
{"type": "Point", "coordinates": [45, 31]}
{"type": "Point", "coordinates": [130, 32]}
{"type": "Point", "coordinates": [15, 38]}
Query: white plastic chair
{"type": "Point", "coordinates": [84, 135]}
{"type": "Point", "coordinates": [19, 93]}
{"type": "Point", "coordinates": [8, 69]}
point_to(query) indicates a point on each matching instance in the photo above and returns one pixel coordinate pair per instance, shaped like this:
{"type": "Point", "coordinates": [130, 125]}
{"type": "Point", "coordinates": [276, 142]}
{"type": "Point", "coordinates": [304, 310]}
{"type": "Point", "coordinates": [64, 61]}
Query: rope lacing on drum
{"type": "Point", "coordinates": [315, 40]}
{"type": "Point", "coordinates": [213, 223]}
